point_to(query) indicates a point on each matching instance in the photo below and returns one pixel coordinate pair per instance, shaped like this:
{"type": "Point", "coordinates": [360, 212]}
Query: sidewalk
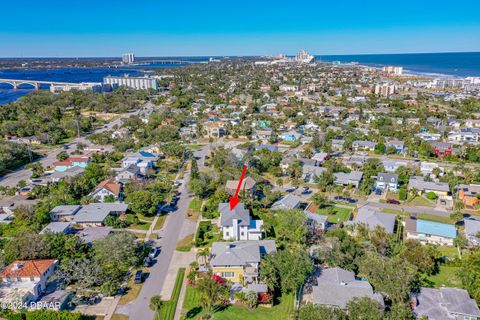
{"type": "Point", "coordinates": [179, 260]}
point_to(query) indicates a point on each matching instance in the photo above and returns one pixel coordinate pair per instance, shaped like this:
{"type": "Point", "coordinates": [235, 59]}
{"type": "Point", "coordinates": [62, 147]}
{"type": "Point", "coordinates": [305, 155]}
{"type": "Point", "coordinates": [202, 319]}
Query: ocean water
{"type": "Point", "coordinates": [458, 64]}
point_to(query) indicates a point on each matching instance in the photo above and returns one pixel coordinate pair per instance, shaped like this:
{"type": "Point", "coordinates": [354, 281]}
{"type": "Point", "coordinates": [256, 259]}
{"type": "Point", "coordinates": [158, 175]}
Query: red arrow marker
{"type": "Point", "coordinates": [234, 200]}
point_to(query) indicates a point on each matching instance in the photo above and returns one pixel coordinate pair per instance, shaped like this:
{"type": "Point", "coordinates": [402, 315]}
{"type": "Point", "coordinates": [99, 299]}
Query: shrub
{"type": "Point", "coordinates": [431, 195]}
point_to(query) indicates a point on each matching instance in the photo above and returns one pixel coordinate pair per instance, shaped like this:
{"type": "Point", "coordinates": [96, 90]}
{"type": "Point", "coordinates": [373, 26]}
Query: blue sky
{"type": "Point", "coordinates": [247, 27]}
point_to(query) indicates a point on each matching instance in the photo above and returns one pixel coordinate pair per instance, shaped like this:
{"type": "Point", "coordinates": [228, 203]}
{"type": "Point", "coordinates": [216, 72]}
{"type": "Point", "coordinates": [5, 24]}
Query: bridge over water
{"type": "Point", "coordinates": [15, 83]}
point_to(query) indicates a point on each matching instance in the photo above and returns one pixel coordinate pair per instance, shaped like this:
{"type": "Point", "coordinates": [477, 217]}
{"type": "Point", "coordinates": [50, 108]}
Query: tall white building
{"type": "Point", "coordinates": [384, 89]}
{"type": "Point", "coordinates": [138, 83]}
{"type": "Point", "coordinates": [128, 58]}
{"type": "Point", "coordinates": [304, 57]}
{"type": "Point", "coordinates": [393, 70]}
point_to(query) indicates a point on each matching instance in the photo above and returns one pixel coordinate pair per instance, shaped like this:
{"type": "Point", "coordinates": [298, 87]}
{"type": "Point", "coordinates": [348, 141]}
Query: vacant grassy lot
{"type": "Point", "coordinates": [282, 311]}
{"type": "Point", "coordinates": [339, 214]}
{"type": "Point", "coordinates": [420, 201]}
{"type": "Point", "coordinates": [447, 276]}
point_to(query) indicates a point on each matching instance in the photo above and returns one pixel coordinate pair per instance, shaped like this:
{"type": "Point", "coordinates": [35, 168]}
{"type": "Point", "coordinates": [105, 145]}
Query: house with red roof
{"type": "Point", "coordinates": [106, 188]}
{"type": "Point", "coordinates": [24, 281]}
{"type": "Point", "coordinates": [82, 162]}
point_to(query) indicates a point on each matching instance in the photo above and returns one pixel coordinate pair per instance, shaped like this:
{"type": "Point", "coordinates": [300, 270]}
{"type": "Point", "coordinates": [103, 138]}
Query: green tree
{"type": "Point", "coordinates": [394, 277]}
{"type": "Point", "coordinates": [115, 254]}
{"type": "Point", "coordinates": [290, 226]}
{"type": "Point", "coordinates": [286, 270]}
{"type": "Point", "coordinates": [211, 292]}
{"type": "Point", "coordinates": [364, 308]}
{"type": "Point", "coordinates": [424, 257]}
{"type": "Point", "coordinates": [156, 305]}
{"type": "Point", "coordinates": [316, 312]}
{"type": "Point", "coordinates": [143, 202]}
{"type": "Point", "coordinates": [62, 155]}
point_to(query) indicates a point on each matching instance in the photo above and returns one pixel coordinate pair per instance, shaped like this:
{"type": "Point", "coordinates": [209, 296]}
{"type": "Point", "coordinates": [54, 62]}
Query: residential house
{"type": "Point", "coordinates": [24, 281]}
{"type": "Point", "coordinates": [215, 129]}
{"type": "Point", "coordinates": [107, 188]}
{"type": "Point", "coordinates": [263, 134]}
{"type": "Point", "coordinates": [291, 136]}
{"type": "Point", "coordinates": [441, 189]}
{"type": "Point", "coordinates": [316, 222]}
{"type": "Point", "coordinates": [247, 187]}
{"type": "Point", "coordinates": [445, 304]}
{"type": "Point", "coordinates": [426, 168]}
{"type": "Point", "coordinates": [288, 202]}
{"type": "Point", "coordinates": [351, 178]}
{"type": "Point", "coordinates": [387, 181]}
{"type": "Point", "coordinates": [373, 219]}
{"type": "Point", "coordinates": [430, 232]}
{"type": "Point", "coordinates": [68, 173]}
{"type": "Point", "coordinates": [89, 215]}
{"type": "Point", "coordinates": [58, 227]}
{"type": "Point", "coordinates": [269, 147]}
{"type": "Point", "coordinates": [397, 145]}
{"type": "Point", "coordinates": [239, 261]}
{"type": "Point", "coordinates": [128, 174]}
{"type": "Point", "coordinates": [337, 144]}
{"type": "Point", "coordinates": [237, 225]}
{"type": "Point", "coordinates": [320, 157]}
{"type": "Point", "coordinates": [355, 161]}
{"type": "Point", "coordinates": [91, 234]}
{"type": "Point", "coordinates": [360, 145]}
{"type": "Point", "coordinates": [71, 162]}
{"type": "Point", "coordinates": [143, 160]}
{"type": "Point", "coordinates": [469, 194]}
{"type": "Point", "coordinates": [468, 135]}
{"type": "Point", "coordinates": [393, 165]}
{"type": "Point", "coordinates": [335, 287]}
{"type": "Point", "coordinates": [427, 136]}
{"type": "Point", "coordinates": [472, 231]}
{"type": "Point", "coordinates": [311, 172]}
{"type": "Point", "coordinates": [442, 149]}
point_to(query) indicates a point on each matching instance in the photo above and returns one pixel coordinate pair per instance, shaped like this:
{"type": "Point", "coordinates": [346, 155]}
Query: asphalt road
{"type": "Point", "coordinates": [12, 179]}
{"type": "Point", "coordinates": [140, 309]}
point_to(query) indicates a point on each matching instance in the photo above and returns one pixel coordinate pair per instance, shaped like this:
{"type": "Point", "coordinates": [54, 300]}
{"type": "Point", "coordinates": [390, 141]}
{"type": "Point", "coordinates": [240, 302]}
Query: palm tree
{"type": "Point", "coordinates": [204, 254]}
{"type": "Point", "coordinates": [156, 304]}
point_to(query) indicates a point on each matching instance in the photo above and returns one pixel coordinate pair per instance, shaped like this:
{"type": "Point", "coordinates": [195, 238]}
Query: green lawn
{"type": "Point", "coordinates": [168, 309]}
{"type": "Point", "coordinates": [449, 252]}
{"type": "Point", "coordinates": [193, 146]}
{"type": "Point", "coordinates": [431, 217]}
{"type": "Point", "coordinates": [423, 216]}
{"type": "Point", "coordinates": [160, 221]}
{"type": "Point", "coordinates": [140, 226]}
{"type": "Point", "coordinates": [420, 201]}
{"type": "Point", "coordinates": [282, 311]}
{"type": "Point", "coordinates": [447, 276]}
{"type": "Point", "coordinates": [340, 215]}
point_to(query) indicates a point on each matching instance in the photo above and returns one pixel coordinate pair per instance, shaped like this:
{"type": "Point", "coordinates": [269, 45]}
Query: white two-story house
{"type": "Point", "coordinates": [237, 225]}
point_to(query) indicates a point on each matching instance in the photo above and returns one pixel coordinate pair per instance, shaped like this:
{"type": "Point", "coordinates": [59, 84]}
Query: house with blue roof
{"type": "Point", "coordinates": [291, 136]}
{"type": "Point", "coordinates": [431, 232]}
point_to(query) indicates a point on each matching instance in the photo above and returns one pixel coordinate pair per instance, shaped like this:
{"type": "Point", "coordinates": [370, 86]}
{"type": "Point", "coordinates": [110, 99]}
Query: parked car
{"type": "Point", "coordinates": [153, 253]}
{"type": "Point", "coordinates": [305, 190]}
{"type": "Point", "coordinates": [138, 277]}
{"type": "Point", "coordinates": [378, 192]}
{"type": "Point", "coordinates": [147, 262]}
{"type": "Point", "coordinates": [177, 183]}
{"type": "Point", "coordinates": [393, 201]}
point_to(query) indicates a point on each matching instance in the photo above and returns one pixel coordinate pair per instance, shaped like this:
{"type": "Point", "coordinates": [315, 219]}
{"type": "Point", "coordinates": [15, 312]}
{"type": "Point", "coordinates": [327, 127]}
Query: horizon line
{"type": "Point", "coordinates": [228, 56]}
